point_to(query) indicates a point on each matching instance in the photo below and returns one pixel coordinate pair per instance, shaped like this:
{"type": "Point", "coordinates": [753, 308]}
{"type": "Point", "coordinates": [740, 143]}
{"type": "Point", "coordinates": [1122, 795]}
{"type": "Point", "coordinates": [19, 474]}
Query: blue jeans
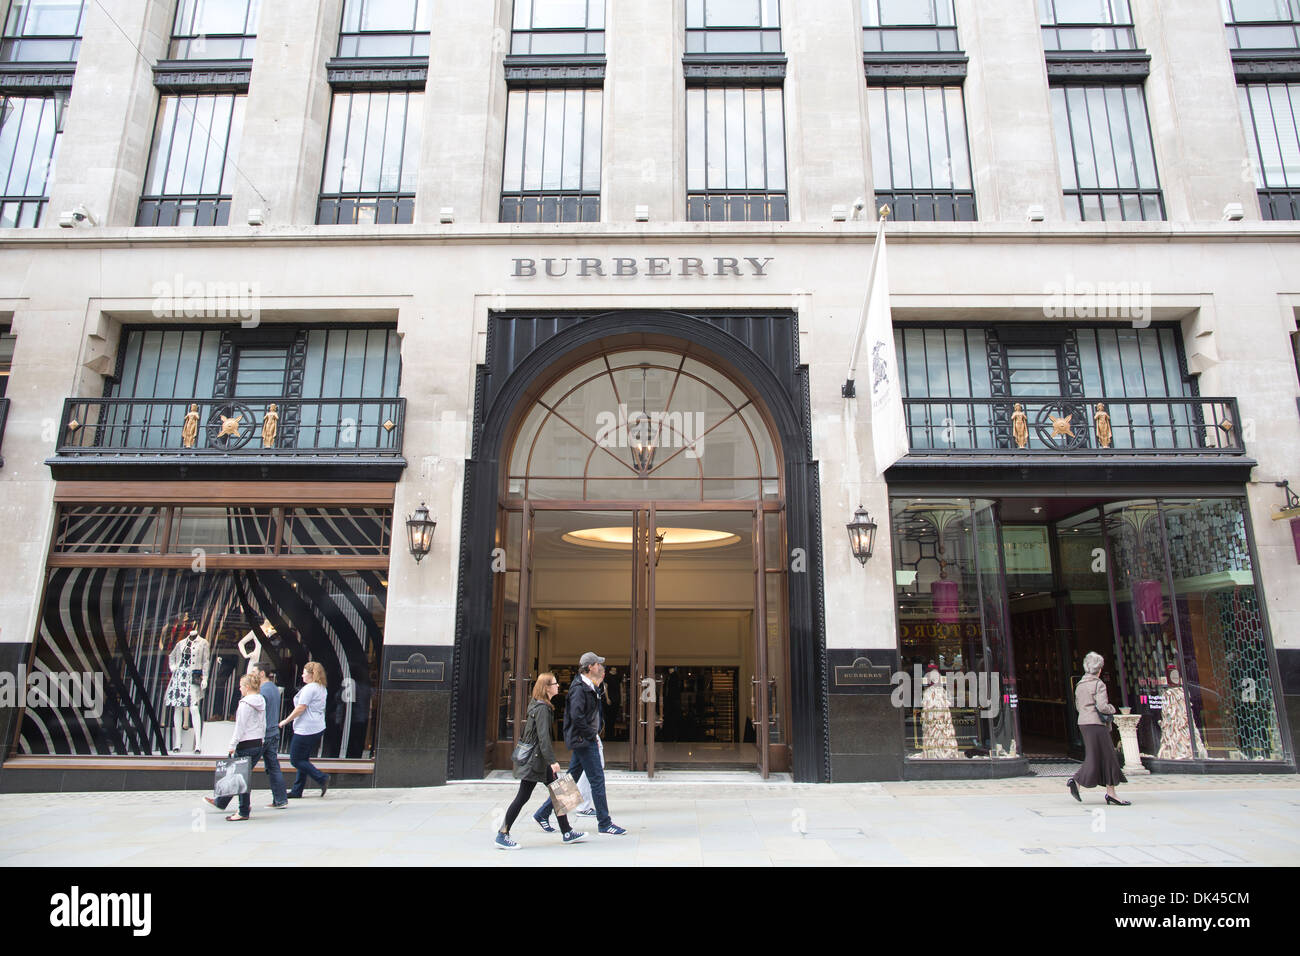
{"type": "Point", "coordinates": [271, 761]}
{"type": "Point", "coordinates": [300, 750]}
{"type": "Point", "coordinates": [254, 750]}
{"type": "Point", "coordinates": [585, 758]}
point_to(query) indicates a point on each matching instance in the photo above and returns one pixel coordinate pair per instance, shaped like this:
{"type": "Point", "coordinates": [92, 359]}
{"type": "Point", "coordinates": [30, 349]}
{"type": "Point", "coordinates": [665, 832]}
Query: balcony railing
{"type": "Point", "coordinates": [1069, 425]}
{"type": "Point", "coordinates": [4, 415]}
{"type": "Point", "coordinates": [176, 427]}
{"type": "Point", "coordinates": [928, 205]}
{"type": "Point", "coordinates": [1275, 204]}
{"type": "Point", "coordinates": [737, 206]}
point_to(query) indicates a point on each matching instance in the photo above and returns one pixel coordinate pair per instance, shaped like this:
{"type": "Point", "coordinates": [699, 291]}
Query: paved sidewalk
{"type": "Point", "coordinates": [683, 819]}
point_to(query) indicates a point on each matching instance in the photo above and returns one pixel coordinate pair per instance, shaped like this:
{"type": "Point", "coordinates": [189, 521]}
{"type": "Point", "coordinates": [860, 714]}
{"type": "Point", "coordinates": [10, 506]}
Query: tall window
{"type": "Point", "coordinates": [1100, 26]}
{"type": "Point", "coordinates": [733, 26]}
{"type": "Point", "coordinates": [919, 157]}
{"type": "Point", "coordinates": [29, 138]}
{"type": "Point", "coordinates": [735, 155]}
{"type": "Point", "coordinates": [372, 158]}
{"type": "Point", "coordinates": [214, 30]}
{"type": "Point", "coordinates": [1103, 143]}
{"type": "Point", "coordinates": [192, 163]}
{"type": "Point", "coordinates": [7, 340]}
{"type": "Point", "coordinates": [1262, 24]}
{"type": "Point", "coordinates": [42, 31]}
{"type": "Point", "coordinates": [552, 160]}
{"type": "Point", "coordinates": [908, 26]}
{"type": "Point", "coordinates": [382, 28]}
{"type": "Point", "coordinates": [574, 27]}
{"type": "Point", "coordinates": [1268, 112]}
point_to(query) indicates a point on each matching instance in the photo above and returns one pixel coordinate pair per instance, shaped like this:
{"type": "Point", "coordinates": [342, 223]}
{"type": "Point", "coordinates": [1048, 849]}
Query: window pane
{"type": "Point", "coordinates": [591, 141]}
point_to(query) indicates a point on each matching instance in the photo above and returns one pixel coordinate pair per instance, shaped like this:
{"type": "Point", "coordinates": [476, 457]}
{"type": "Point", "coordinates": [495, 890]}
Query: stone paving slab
{"type": "Point", "coordinates": [684, 820]}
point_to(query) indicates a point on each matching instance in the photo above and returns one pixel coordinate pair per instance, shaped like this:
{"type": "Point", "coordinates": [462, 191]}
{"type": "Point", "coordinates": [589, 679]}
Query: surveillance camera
{"type": "Point", "coordinates": [859, 204]}
{"type": "Point", "coordinates": [79, 215]}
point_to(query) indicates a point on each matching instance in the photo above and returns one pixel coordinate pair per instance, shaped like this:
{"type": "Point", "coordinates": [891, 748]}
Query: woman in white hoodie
{"type": "Point", "coordinates": [246, 741]}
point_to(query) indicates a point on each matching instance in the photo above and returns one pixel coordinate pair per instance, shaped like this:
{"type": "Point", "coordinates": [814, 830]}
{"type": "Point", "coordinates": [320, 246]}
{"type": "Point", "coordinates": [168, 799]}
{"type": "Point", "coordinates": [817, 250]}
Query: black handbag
{"type": "Point", "coordinates": [525, 751]}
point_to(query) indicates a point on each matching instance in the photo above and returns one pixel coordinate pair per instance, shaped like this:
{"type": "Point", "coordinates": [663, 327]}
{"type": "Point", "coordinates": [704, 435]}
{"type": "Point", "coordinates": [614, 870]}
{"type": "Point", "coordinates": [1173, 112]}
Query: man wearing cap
{"type": "Point", "coordinates": [583, 718]}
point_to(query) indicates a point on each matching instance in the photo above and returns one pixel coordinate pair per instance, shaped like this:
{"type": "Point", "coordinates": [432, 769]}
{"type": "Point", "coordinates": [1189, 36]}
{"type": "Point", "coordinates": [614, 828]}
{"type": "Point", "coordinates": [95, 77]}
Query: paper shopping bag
{"type": "Point", "coordinates": [565, 796]}
{"type": "Point", "coordinates": [234, 776]}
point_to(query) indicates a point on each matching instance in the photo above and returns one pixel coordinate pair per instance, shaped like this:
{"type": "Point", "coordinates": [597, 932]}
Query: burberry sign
{"type": "Point", "coordinates": [621, 267]}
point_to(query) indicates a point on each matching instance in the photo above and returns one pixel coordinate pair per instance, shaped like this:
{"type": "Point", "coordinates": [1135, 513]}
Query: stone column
{"type": "Point", "coordinates": [104, 148]}
{"type": "Point", "coordinates": [1128, 739]}
{"type": "Point", "coordinates": [1195, 118]}
{"type": "Point", "coordinates": [286, 119]}
{"type": "Point", "coordinates": [464, 113]}
{"type": "Point", "coordinates": [644, 99]}
{"type": "Point", "coordinates": [1008, 111]}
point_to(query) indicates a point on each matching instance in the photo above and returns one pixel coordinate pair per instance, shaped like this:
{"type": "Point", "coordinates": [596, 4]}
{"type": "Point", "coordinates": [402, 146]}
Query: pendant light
{"type": "Point", "coordinates": [641, 440]}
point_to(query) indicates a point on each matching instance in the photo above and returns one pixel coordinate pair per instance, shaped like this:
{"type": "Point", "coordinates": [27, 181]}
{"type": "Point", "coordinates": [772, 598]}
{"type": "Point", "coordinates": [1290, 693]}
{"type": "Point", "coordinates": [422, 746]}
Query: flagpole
{"type": "Point", "coordinates": [848, 390]}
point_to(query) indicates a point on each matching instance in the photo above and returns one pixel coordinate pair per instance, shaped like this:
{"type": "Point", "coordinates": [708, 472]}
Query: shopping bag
{"type": "Point", "coordinates": [565, 795]}
{"type": "Point", "coordinates": [234, 776]}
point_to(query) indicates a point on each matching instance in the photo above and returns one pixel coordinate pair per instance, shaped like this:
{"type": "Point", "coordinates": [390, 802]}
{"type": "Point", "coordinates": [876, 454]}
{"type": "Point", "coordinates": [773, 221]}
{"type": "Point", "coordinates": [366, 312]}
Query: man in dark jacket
{"type": "Point", "coordinates": [583, 721]}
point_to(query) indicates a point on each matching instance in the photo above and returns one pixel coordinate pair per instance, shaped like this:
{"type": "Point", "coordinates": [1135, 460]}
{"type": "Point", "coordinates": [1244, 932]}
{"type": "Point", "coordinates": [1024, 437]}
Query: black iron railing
{"type": "Point", "coordinates": [213, 426]}
{"type": "Point", "coordinates": [336, 209]}
{"type": "Point", "coordinates": [1277, 204]}
{"type": "Point", "coordinates": [183, 211]}
{"type": "Point", "coordinates": [1092, 426]}
{"type": "Point", "coordinates": [737, 206]}
{"type": "Point", "coordinates": [928, 205]}
{"type": "Point", "coordinates": [550, 207]}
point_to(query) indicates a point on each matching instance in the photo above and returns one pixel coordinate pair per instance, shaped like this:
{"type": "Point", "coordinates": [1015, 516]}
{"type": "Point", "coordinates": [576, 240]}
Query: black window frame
{"type": "Point", "coordinates": [183, 43]}
{"type": "Point", "coordinates": [737, 204]}
{"type": "Point", "coordinates": [522, 41]}
{"type": "Point", "coordinates": [1235, 28]}
{"type": "Point", "coordinates": [544, 204]}
{"type": "Point", "coordinates": [385, 206]}
{"type": "Point", "coordinates": [875, 37]}
{"type": "Point", "coordinates": [169, 208]}
{"type": "Point", "coordinates": [698, 37]}
{"type": "Point", "coordinates": [27, 205]}
{"type": "Point", "coordinates": [12, 44]}
{"type": "Point", "coordinates": [350, 41]}
{"type": "Point", "coordinates": [1081, 195]}
{"type": "Point", "coordinates": [912, 203]}
{"type": "Point", "coordinates": [1053, 29]}
{"type": "Point", "coordinates": [1277, 201]}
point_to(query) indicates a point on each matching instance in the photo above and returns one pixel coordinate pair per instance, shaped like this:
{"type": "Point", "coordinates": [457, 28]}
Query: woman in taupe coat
{"type": "Point", "coordinates": [1100, 765]}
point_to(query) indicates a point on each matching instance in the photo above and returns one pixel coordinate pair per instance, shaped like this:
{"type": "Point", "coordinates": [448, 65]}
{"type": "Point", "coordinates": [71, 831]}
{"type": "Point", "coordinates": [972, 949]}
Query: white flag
{"type": "Point", "coordinates": [888, 432]}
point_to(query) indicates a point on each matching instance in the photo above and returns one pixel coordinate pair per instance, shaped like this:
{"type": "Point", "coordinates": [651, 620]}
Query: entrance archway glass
{"type": "Point", "coordinates": [641, 517]}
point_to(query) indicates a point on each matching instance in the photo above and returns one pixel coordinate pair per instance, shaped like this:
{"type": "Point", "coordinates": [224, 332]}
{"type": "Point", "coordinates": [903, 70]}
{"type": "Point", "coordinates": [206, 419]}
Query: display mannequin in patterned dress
{"type": "Point", "coordinates": [189, 664]}
{"type": "Point", "coordinates": [1175, 741]}
{"type": "Point", "coordinates": [938, 739]}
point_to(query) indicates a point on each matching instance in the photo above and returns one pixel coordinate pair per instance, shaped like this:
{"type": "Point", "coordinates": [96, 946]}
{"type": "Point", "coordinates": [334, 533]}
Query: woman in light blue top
{"type": "Point", "coordinates": [308, 716]}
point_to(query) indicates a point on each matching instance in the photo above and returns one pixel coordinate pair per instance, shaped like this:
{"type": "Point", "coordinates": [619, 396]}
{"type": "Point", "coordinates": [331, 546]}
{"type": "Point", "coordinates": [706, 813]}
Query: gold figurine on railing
{"type": "Point", "coordinates": [1020, 426]}
{"type": "Point", "coordinates": [1101, 418]}
{"type": "Point", "coordinates": [270, 426]}
{"type": "Point", "coordinates": [190, 430]}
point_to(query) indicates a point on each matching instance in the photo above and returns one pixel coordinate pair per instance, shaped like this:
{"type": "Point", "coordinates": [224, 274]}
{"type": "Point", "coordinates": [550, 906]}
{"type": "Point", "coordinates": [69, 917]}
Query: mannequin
{"type": "Point", "coordinates": [254, 656]}
{"type": "Point", "coordinates": [189, 664]}
{"type": "Point", "coordinates": [1175, 742]}
{"type": "Point", "coordinates": [938, 739]}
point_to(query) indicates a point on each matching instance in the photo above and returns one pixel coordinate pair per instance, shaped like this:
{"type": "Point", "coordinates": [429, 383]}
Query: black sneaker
{"type": "Point", "coordinates": [573, 836]}
{"type": "Point", "coordinates": [325, 785]}
{"type": "Point", "coordinates": [613, 830]}
{"type": "Point", "coordinates": [545, 824]}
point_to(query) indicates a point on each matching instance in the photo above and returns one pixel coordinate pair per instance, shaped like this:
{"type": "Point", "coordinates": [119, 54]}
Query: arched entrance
{"type": "Point", "coordinates": [640, 499]}
{"type": "Point", "coordinates": [565, 500]}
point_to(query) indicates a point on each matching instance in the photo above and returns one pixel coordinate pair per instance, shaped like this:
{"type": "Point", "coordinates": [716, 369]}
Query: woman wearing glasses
{"type": "Point", "coordinates": [544, 768]}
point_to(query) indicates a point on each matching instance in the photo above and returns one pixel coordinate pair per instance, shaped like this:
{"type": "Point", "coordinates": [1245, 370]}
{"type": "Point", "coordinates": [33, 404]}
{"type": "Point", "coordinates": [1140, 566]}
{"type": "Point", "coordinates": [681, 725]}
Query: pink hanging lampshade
{"type": "Point", "coordinates": [1150, 603]}
{"type": "Point", "coordinates": [943, 596]}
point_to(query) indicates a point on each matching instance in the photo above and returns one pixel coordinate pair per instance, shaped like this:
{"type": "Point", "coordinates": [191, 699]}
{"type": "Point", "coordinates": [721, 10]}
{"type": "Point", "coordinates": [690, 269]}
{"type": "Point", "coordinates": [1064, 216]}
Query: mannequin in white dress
{"type": "Point", "coordinates": [189, 665]}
